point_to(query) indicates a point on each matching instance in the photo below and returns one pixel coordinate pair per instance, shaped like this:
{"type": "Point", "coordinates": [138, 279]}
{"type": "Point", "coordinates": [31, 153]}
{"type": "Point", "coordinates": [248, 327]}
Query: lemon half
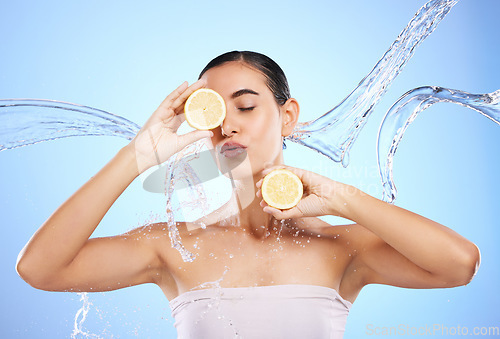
{"type": "Point", "coordinates": [205, 109]}
{"type": "Point", "coordinates": [282, 189]}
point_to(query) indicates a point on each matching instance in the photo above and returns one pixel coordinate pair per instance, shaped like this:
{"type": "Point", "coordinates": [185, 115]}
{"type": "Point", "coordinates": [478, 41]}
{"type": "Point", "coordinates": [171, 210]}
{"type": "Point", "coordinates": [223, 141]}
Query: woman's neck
{"type": "Point", "coordinates": [251, 217]}
{"type": "Point", "coordinates": [243, 209]}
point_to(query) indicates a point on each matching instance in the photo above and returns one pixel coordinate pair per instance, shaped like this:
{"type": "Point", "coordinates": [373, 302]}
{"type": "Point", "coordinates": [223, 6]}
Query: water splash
{"type": "Point", "coordinates": [174, 171]}
{"type": "Point", "coordinates": [80, 317]}
{"type": "Point", "coordinates": [333, 133]}
{"type": "Point", "coordinates": [406, 109]}
{"type": "Point", "coordinates": [29, 121]}
{"type": "Point", "coordinates": [214, 304]}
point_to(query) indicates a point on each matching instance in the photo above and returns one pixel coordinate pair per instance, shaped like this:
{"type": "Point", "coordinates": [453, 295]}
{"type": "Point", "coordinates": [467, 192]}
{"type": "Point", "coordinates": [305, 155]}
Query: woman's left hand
{"type": "Point", "coordinates": [322, 196]}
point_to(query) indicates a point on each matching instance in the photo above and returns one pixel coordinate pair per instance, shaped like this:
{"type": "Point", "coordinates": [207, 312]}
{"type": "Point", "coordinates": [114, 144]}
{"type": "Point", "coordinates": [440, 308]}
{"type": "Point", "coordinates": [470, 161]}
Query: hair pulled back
{"type": "Point", "coordinates": [275, 77]}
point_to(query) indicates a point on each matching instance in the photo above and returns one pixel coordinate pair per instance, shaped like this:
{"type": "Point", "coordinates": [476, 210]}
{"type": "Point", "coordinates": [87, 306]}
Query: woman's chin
{"type": "Point", "coordinates": [239, 167]}
{"type": "Point", "coordinates": [232, 166]}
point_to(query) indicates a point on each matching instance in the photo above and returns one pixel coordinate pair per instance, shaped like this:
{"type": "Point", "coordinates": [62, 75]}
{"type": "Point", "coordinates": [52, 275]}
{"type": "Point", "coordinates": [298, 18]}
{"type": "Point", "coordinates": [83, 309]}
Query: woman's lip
{"type": "Point", "coordinates": [232, 149]}
{"type": "Point", "coordinates": [231, 153]}
{"type": "Point", "coordinates": [230, 146]}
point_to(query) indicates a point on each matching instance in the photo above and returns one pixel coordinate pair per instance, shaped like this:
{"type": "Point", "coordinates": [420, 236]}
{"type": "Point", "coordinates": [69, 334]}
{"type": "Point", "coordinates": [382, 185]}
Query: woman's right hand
{"type": "Point", "coordinates": [158, 139]}
{"type": "Point", "coordinates": [322, 196]}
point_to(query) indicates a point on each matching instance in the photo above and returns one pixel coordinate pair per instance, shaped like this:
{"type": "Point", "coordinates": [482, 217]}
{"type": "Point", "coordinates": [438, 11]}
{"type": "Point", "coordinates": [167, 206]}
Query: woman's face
{"type": "Point", "coordinates": [250, 137]}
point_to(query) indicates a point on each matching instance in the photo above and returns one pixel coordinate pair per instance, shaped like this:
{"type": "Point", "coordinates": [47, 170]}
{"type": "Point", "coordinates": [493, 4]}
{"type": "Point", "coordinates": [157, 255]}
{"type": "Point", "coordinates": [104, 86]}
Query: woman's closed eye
{"type": "Point", "coordinates": [243, 109]}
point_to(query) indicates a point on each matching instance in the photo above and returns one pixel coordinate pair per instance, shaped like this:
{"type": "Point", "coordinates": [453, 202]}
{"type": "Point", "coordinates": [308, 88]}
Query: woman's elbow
{"type": "Point", "coordinates": [25, 272]}
{"type": "Point", "coordinates": [474, 261]}
{"type": "Point", "coordinates": [30, 274]}
{"type": "Point", "coordinates": [467, 266]}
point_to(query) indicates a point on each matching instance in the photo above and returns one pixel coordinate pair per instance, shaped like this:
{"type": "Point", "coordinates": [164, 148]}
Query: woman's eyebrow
{"type": "Point", "coordinates": [243, 91]}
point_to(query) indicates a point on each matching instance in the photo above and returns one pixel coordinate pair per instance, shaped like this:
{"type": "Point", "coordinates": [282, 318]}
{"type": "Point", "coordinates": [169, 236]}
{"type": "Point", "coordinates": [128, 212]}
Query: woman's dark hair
{"type": "Point", "coordinates": [276, 79]}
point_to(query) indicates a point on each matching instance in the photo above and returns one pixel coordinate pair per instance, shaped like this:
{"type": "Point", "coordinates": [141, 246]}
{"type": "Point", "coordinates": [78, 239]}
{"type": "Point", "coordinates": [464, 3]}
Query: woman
{"type": "Point", "coordinates": [294, 278]}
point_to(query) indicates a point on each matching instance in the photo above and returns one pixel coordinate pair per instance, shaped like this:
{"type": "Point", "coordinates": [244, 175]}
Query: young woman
{"type": "Point", "coordinates": [272, 273]}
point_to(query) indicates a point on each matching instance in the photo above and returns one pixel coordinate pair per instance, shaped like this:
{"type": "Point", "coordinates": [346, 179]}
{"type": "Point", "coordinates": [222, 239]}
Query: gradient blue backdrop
{"type": "Point", "coordinates": [125, 56]}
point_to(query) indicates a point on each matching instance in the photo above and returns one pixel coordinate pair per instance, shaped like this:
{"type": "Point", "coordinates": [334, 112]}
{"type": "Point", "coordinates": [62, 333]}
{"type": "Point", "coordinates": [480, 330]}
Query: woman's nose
{"type": "Point", "coordinates": [229, 126]}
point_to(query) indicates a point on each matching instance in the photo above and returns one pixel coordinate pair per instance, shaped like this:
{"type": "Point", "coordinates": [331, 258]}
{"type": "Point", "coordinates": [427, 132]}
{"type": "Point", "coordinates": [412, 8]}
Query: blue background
{"type": "Point", "coordinates": [125, 57]}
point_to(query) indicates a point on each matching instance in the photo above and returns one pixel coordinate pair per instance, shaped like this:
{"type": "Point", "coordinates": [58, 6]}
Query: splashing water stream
{"type": "Point", "coordinates": [29, 121]}
{"type": "Point", "coordinates": [333, 133]}
{"type": "Point", "coordinates": [406, 109]}
{"type": "Point", "coordinates": [80, 317]}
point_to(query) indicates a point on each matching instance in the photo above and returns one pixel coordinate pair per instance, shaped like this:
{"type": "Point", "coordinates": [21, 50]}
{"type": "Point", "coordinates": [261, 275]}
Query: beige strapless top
{"type": "Point", "coordinates": [279, 311]}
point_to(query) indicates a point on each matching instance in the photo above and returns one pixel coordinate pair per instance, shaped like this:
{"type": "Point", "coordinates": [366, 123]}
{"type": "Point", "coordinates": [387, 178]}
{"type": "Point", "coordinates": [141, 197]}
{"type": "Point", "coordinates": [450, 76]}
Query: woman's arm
{"type": "Point", "coordinates": [447, 258]}
{"type": "Point", "coordinates": [60, 255]}
{"type": "Point", "coordinates": [396, 247]}
{"type": "Point", "coordinates": [50, 258]}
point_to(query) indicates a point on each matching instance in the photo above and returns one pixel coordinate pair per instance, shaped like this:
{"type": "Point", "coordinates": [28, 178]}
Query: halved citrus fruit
{"type": "Point", "coordinates": [282, 189]}
{"type": "Point", "coordinates": [205, 109]}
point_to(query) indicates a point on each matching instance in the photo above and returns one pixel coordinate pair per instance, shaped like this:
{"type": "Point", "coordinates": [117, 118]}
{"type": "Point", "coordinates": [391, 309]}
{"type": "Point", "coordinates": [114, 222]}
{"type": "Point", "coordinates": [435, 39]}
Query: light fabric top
{"type": "Point", "coordinates": [279, 311]}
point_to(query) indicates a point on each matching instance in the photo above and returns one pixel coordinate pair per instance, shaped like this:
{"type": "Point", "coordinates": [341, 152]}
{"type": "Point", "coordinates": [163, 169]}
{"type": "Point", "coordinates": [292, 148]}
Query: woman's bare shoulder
{"type": "Point", "coordinates": [162, 227]}
{"type": "Point", "coordinates": [324, 228]}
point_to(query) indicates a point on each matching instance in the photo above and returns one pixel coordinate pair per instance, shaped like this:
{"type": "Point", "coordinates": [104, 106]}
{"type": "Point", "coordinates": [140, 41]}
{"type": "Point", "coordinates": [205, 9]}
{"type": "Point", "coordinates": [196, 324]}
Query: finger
{"type": "Point", "coordinates": [281, 214]}
{"type": "Point", "coordinates": [298, 171]}
{"type": "Point", "coordinates": [193, 136]}
{"type": "Point", "coordinates": [263, 203]}
{"type": "Point", "coordinates": [174, 95]}
{"type": "Point", "coordinates": [179, 101]}
{"type": "Point", "coordinates": [181, 116]}
{"type": "Point", "coordinates": [259, 183]}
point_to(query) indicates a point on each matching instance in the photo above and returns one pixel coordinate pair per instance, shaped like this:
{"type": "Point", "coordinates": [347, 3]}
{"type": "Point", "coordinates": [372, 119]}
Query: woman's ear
{"type": "Point", "coordinates": [290, 116]}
